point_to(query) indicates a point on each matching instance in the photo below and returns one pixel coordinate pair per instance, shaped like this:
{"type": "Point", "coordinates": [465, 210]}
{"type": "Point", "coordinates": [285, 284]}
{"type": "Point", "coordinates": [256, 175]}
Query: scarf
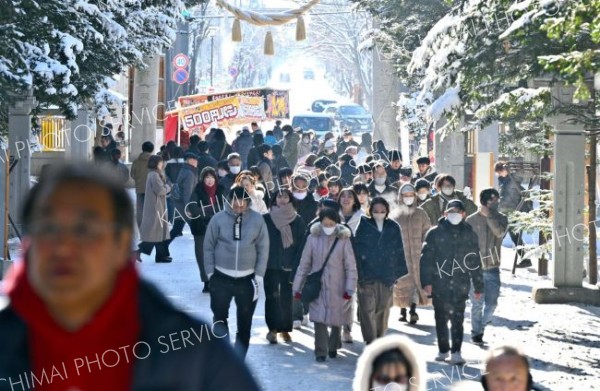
{"type": "Point", "coordinates": [59, 353]}
{"type": "Point", "coordinates": [211, 191]}
{"type": "Point", "coordinates": [282, 218]}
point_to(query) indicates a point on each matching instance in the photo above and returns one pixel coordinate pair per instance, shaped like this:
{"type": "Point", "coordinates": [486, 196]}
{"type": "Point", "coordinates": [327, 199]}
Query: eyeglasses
{"type": "Point", "coordinates": [384, 379]}
{"type": "Point", "coordinates": [84, 232]}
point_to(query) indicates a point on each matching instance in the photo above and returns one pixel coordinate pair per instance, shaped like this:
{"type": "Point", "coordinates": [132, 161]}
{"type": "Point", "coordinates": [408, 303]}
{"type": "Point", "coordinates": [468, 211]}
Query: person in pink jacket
{"type": "Point", "coordinates": [333, 307]}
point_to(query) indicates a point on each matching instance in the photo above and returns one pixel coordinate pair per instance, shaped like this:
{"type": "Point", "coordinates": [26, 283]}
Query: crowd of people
{"type": "Point", "coordinates": [331, 238]}
{"type": "Point", "coordinates": [284, 209]}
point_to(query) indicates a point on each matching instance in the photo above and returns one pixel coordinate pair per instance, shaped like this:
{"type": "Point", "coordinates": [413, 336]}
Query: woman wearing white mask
{"type": "Point", "coordinates": [378, 269]}
{"type": "Point", "coordinates": [415, 224]}
{"type": "Point", "coordinates": [390, 364]}
{"type": "Point", "coordinates": [328, 247]}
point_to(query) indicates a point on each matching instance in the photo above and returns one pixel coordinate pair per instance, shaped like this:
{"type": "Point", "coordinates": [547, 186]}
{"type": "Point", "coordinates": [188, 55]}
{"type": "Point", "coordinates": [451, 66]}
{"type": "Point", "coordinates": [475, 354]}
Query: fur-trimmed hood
{"type": "Point", "coordinates": [364, 367]}
{"type": "Point", "coordinates": [341, 231]}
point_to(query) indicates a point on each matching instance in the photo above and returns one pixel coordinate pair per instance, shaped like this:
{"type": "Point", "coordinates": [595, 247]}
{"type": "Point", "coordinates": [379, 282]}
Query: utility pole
{"type": "Point", "coordinates": [212, 51]}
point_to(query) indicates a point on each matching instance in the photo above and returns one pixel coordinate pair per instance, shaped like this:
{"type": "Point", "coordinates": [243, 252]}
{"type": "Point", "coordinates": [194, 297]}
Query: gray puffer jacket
{"type": "Point", "coordinates": [251, 252]}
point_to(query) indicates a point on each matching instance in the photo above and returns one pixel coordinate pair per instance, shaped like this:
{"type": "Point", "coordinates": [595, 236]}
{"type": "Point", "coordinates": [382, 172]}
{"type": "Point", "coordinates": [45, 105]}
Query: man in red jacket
{"type": "Point", "coordinates": [79, 317]}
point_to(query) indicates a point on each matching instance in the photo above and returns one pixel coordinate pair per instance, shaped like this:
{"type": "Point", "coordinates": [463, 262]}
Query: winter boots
{"type": "Point", "coordinates": [478, 339]}
{"type": "Point", "coordinates": [414, 318]}
{"type": "Point", "coordinates": [403, 315]}
{"type": "Point", "coordinates": [272, 337]}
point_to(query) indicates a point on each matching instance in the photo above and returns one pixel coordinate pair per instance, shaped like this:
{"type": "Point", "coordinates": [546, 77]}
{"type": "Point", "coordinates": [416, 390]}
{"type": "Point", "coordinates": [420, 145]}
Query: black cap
{"type": "Point", "coordinates": [329, 203]}
{"type": "Point", "coordinates": [422, 183]}
{"type": "Point", "coordinates": [347, 132]}
{"type": "Point", "coordinates": [322, 163]}
{"type": "Point", "coordinates": [423, 160]}
{"type": "Point", "coordinates": [190, 155]}
{"type": "Point", "coordinates": [364, 168]}
{"type": "Point", "coordinates": [406, 171]}
{"type": "Point", "coordinates": [458, 204]}
{"type": "Point", "coordinates": [394, 154]}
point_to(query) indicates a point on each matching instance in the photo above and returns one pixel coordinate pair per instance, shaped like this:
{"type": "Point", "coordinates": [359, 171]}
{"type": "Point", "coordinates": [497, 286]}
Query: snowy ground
{"type": "Point", "coordinates": [563, 341]}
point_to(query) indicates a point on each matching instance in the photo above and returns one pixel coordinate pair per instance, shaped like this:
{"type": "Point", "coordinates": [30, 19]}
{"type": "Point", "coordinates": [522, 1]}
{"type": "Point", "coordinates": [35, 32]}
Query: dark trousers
{"type": "Point", "coordinates": [447, 310]}
{"type": "Point", "coordinates": [199, 250]}
{"type": "Point", "coordinates": [139, 208]}
{"type": "Point", "coordinates": [224, 288]}
{"type": "Point", "coordinates": [278, 300]}
{"type": "Point", "coordinates": [170, 209]}
{"type": "Point", "coordinates": [517, 239]}
{"type": "Point", "coordinates": [325, 341]}
{"type": "Point", "coordinates": [162, 249]}
{"type": "Point", "coordinates": [177, 228]}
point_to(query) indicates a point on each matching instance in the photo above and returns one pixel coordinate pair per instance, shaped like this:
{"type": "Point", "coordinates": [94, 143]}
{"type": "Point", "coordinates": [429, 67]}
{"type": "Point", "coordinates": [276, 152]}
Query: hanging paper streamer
{"type": "Point", "coordinates": [267, 19]}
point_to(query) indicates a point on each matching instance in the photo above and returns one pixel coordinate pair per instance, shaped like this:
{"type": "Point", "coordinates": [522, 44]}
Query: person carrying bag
{"type": "Point", "coordinates": [312, 286]}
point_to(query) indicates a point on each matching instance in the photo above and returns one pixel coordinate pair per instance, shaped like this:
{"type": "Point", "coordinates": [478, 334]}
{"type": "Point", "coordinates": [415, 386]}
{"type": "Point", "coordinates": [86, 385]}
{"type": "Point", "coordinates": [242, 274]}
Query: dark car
{"type": "Point", "coordinates": [351, 116]}
{"type": "Point", "coordinates": [319, 105]}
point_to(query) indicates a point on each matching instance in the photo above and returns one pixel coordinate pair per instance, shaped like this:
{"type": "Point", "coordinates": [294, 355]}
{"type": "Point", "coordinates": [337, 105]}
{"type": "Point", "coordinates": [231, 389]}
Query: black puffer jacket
{"type": "Point", "coordinates": [510, 193]}
{"type": "Point", "coordinates": [280, 258]}
{"type": "Point", "coordinates": [450, 261]}
{"type": "Point", "coordinates": [379, 255]}
{"type": "Point", "coordinates": [307, 208]}
{"type": "Point", "coordinates": [205, 365]}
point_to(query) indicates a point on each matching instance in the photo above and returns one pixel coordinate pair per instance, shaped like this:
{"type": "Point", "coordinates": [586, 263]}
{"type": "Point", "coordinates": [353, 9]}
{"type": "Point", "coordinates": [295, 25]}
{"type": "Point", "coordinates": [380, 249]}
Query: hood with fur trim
{"type": "Point", "coordinates": [341, 231]}
{"type": "Point", "coordinates": [364, 367]}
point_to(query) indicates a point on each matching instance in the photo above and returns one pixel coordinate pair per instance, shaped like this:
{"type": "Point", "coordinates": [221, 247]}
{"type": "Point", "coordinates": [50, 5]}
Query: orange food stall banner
{"type": "Point", "coordinates": [227, 111]}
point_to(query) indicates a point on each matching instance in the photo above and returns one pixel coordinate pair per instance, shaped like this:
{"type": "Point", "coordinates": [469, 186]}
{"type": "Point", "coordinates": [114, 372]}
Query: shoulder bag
{"type": "Point", "coordinates": [312, 286]}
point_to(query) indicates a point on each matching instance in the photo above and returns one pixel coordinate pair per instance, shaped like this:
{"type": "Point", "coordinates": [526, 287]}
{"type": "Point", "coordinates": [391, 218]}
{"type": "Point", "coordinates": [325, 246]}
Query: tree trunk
{"type": "Point", "coordinates": [593, 259]}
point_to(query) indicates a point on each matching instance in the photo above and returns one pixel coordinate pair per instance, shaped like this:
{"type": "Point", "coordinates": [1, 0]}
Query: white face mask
{"type": "Point", "coordinates": [379, 217]}
{"type": "Point", "coordinates": [422, 196]}
{"type": "Point", "coordinates": [447, 190]}
{"type": "Point", "coordinates": [299, 196]}
{"type": "Point", "coordinates": [235, 169]}
{"type": "Point", "coordinates": [380, 181]}
{"type": "Point", "coordinates": [328, 230]}
{"type": "Point", "coordinates": [376, 386]}
{"type": "Point", "coordinates": [222, 173]}
{"type": "Point", "coordinates": [454, 218]}
{"type": "Point", "coordinates": [409, 200]}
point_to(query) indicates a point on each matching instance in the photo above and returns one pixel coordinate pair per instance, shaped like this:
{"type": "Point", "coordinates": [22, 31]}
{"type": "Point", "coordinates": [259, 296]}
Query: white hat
{"type": "Point", "coordinates": [329, 144]}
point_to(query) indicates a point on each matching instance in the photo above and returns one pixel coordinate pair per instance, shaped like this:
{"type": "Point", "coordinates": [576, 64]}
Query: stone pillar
{"type": "Point", "coordinates": [145, 101]}
{"type": "Point", "coordinates": [569, 175]}
{"type": "Point", "coordinates": [80, 136]}
{"type": "Point", "coordinates": [568, 227]}
{"type": "Point", "coordinates": [386, 90]}
{"type": "Point", "coordinates": [19, 132]}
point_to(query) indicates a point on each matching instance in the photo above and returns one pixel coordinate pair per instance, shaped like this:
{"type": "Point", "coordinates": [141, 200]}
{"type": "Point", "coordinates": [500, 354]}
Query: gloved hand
{"type": "Point", "coordinates": [297, 295]}
{"type": "Point", "coordinates": [347, 296]}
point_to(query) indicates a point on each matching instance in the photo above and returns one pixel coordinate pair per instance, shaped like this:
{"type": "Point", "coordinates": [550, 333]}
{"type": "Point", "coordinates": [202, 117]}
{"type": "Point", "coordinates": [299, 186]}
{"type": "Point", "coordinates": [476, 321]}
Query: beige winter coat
{"type": "Point", "coordinates": [339, 276]}
{"type": "Point", "coordinates": [414, 223]}
{"type": "Point", "coordinates": [155, 226]}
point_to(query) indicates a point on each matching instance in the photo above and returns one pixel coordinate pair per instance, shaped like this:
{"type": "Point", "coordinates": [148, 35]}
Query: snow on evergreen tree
{"type": "Point", "coordinates": [67, 51]}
